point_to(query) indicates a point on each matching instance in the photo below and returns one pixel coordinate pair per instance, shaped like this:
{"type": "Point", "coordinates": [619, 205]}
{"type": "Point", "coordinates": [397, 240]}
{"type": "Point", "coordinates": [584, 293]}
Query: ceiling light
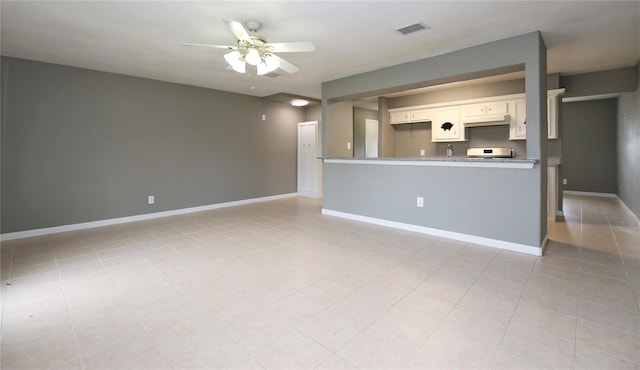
{"type": "Point", "coordinates": [234, 59]}
{"type": "Point", "coordinates": [272, 63]}
{"type": "Point", "coordinates": [253, 57]}
{"type": "Point", "coordinates": [269, 64]}
{"type": "Point", "coordinates": [299, 102]}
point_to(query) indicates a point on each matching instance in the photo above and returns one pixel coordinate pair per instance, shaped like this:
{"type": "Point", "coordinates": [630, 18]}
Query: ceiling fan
{"type": "Point", "coordinates": [256, 51]}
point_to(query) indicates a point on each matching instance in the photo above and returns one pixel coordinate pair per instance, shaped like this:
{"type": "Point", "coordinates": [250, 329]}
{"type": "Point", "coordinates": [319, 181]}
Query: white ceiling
{"type": "Point", "coordinates": [142, 38]}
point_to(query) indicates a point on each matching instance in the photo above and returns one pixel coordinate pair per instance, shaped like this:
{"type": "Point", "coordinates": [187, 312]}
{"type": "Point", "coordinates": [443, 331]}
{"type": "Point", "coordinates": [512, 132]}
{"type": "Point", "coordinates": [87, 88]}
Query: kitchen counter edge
{"type": "Point", "coordinates": [439, 161]}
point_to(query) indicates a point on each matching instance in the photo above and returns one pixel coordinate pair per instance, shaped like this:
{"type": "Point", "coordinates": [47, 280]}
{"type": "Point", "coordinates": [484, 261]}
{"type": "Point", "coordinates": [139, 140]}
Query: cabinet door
{"type": "Point", "coordinates": [474, 110]}
{"type": "Point", "coordinates": [421, 115]}
{"type": "Point", "coordinates": [552, 116]}
{"type": "Point", "coordinates": [496, 108]}
{"type": "Point", "coordinates": [518, 130]}
{"type": "Point", "coordinates": [399, 117]}
{"type": "Point", "coordinates": [519, 122]}
{"type": "Point", "coordinates": [446, 125]}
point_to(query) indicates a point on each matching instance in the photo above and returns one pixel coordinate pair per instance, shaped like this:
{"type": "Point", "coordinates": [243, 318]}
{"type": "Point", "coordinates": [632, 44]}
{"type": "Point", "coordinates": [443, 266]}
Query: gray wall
{"type": "Point", "coordinates": [589, 146]}
{"type": "Point", "coordinates": [340, 132]}
{"type": "Point", "coordinates": [387, 134]}
{"type": "Point", "coordinates": [359, 117]}
{"type": "Point", "coordinates": [412, 137]}
{"type": "Point", "coordinates": [459, 93]}
{"type": "Point", "coordinates": [629, 149]}
{"type": "Point", "coordinates": [599, 83]}
{"type": "Point", "coordinates": [82, 145]}
{"type": "Point", "coordinates": [529, 226]}
{"type": "Point", "coordinates": [485, 202]}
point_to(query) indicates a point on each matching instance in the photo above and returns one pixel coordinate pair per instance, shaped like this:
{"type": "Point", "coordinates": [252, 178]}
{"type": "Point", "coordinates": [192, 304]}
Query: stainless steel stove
{"type": "Point", "coordinates": [490, 153]}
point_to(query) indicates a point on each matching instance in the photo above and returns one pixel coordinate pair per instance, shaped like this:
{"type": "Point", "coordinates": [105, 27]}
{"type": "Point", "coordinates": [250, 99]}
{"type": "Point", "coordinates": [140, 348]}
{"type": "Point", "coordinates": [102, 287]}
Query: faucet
{"type": "Point", "coordinates": [449, 150]}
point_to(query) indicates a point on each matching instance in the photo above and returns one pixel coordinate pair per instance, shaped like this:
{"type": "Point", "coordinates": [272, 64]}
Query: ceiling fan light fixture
{"type": "Point", "coordinates": [271, 62]}
{"type": "Point", "coordinates": [262, 69]}
{"type": "Point", "coordinates": [234, 59]}
{"type": "Point", "coordinates": [253, 57]}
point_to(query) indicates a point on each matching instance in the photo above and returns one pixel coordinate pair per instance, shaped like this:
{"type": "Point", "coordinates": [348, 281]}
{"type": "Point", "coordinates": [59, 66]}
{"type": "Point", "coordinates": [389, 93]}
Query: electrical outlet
{"type": "Point", "coordinates": [264, 117]}
{"type": "Point", "coordinates": [564, 181]}
{"type": "Point", "coordinates": [420, 202]}
{"type": "Point", "coordinates": [349, 145]}
{"type": "Point", "coordinates": [422, 152]}
{"type": "Point", "coordinates": [151, 199]}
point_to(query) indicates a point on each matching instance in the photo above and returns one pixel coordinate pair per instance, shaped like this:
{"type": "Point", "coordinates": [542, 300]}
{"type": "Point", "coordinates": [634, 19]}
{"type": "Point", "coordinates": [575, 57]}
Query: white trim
{"type": "Point", "coordinates": [591, 97]}
{"type": "Point", "coordinates": [147, 216]}
{"type": "Point", "coordinates": [624, 205]}
{"type": "Point", "coordinates": [462, 162]}
{"type": "Point", "coordinates": [308, 193]}
{"type": "Point", "coordinates": [500, 244]}
{"type": "Point", "coordinates": [543, 246]}
{"type": "Point", "coordinates": [591, 194]}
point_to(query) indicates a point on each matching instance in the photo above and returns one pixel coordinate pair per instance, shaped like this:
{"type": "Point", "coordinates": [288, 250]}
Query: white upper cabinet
{"type": "Point", "coordinates": [446, 125]}
{"type": "Point", "coordinates": [410, 116]}
{"type": "Point", "coordinates": [518, 128]}
{"type": "Point", "coordinates": [449, 119]}
{"type": "Point", "coordinates": [420, 115]}
{"type": "Point", "coordinates": [399, 117]}
{"type": "Point", "coordinates": [487, 112]}
{"type": "Point", "coordinates": [552, 116]}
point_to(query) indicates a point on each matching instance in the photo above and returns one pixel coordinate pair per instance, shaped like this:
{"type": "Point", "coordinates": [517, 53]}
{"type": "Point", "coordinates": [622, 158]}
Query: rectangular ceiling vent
{"type": "Point", "coordinates": [413, 28]}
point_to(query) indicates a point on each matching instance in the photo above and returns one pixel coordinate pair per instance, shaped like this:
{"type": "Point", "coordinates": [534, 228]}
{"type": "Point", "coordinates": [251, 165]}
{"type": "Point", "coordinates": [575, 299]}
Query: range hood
{"type": "Point", "coordinates": [486, 120]}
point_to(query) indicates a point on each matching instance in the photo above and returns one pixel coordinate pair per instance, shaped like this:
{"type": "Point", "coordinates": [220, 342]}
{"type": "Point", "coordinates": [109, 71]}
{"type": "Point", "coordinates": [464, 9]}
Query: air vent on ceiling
{"type": "Point", "coordinates": [413, 28]}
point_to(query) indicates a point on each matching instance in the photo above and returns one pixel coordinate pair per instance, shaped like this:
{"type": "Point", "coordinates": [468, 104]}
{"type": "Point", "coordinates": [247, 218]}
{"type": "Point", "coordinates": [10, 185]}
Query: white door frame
{"type": "Point", "coordinates": [308, 162]}
{"type": "Point", "coordinates": [371, 138]}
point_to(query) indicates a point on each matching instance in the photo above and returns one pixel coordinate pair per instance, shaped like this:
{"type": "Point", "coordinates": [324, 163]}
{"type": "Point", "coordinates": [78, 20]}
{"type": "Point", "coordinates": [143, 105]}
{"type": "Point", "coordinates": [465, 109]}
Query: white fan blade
{"type": "Point", "coordinates": [286, 66]}
{"type": "Point", "coordinates": [211, 46]}
{"type": "Point", "coordinates": [238, 30]}
{"type": "Point", "coordinates": [291, 47]}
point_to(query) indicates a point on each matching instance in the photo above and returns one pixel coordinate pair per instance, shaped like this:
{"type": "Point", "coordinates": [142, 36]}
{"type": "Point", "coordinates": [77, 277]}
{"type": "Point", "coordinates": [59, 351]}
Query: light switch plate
{"type": "Point", "coordinates": [151, 199]}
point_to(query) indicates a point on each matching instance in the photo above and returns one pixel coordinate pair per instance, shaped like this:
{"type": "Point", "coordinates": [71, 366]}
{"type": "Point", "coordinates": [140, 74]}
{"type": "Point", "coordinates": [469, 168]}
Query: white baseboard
{"type": "Point", "coordinates": [624, 205]}
{"type": "Point", "coordinates": [146, 216]}
{"type": "Point", "coordinates": [536, 251]}
{"type": "Point", "coordinates": [309, 194]}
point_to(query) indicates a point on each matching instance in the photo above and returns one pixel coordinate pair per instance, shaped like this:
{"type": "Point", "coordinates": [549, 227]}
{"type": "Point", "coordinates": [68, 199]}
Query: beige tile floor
{"type": "Point", "coordinates": [278, 285]}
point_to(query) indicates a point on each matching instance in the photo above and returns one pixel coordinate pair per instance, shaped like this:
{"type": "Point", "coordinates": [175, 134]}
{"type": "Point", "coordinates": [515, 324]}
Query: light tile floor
{"type": "Point", "coordinates": [278, 285]}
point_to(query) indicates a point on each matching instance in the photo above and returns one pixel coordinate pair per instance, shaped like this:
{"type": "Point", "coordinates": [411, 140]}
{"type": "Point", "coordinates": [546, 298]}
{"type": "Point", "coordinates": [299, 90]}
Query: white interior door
{"type": "Point", "coordinates": [307, 159]}
{"type": "Point", "coordinates": [371, 138]}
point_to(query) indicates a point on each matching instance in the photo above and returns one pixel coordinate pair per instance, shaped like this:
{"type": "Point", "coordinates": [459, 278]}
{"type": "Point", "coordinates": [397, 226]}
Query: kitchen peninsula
{"type": "Point", "coordinates": [439, 162]}
{"type": "Point", "coordinates": [495, 202]}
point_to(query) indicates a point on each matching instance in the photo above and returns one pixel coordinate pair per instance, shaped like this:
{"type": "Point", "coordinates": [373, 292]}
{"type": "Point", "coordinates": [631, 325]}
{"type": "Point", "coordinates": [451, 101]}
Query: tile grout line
{"type": "Point", "coordinates": [626, 273]}
{"type": "Point", "coordinates": [8, 284]}
{"type": "Point", "coordinates": [419, 347]}
{"type": "Point", "coordinates": [66, 303]}
{"type": "Point", "coordinates": [493, 359]}
{"type": "Point", "coordinates": [135, 312]}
